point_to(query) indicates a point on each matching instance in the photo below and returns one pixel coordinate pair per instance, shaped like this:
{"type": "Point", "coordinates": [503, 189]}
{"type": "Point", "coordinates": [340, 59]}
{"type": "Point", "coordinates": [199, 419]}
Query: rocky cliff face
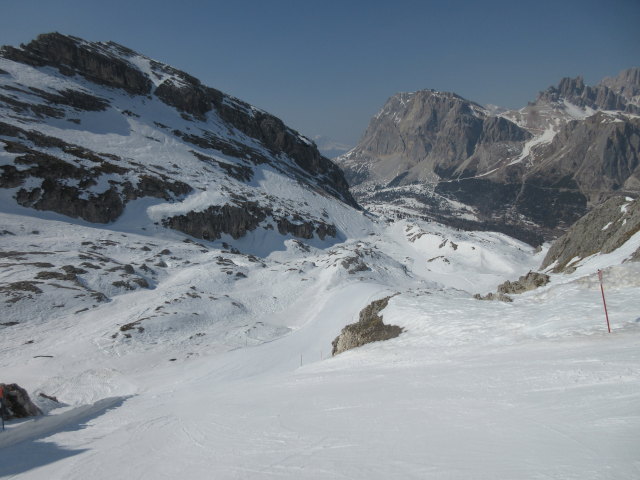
{"type": "Point", "coordinates": [603, 230]}
{"type": "Point", "coordinates": [538, 169]}
{"type": "Point", "coordinates": [418, 134]}
{"type": "Point", "coordinates": [600, 97]}
{"type": "Point", "coordinates": [86, 128]}
{"type": "Point", "coordinates": [627, 84]}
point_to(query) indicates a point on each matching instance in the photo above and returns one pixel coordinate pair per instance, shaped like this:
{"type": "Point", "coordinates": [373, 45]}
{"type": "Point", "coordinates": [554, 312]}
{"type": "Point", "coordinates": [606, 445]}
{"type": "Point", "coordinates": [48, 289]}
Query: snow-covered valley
{"type": "Point", "coordinates": [223, 375]}
{"type": "Point", "coordinates": [175, 267]}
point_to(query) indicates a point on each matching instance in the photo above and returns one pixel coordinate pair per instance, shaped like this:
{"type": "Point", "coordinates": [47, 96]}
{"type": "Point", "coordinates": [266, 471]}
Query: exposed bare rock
{"type": "Point", "coordinates": [231, 139]}
{"type": "Point", "coordinates": [575, 91]}
{"type": "Point", "coordinates": [354, 264]}
{"type": "Point", "coordinates": [196, 99]}
{"type": "Point", "coordinates": [426, 132]}
{"type": "Point", "coordinates": [626, 83]}
{"type": "Point", "coordinates": [600, 156]}
{"type": "Point", "coordinates": [73, 55]}
{"type": "Point", "coordinates": [54, 193]}
{"type": "Point", "coordinates": [494, 296]}
{"type": "Point", "coordinates": [18, 402]}
{"type": "Point", "coordinates": [603, 230]}
{"type": "Point", "coordinates": [536, 170]}
{"type": "Point", "coordinates": [369, 328]}
{"type": "Point", "coordinates": [525, 283]}
{"type": "Point", "coordinates": [244, 216]}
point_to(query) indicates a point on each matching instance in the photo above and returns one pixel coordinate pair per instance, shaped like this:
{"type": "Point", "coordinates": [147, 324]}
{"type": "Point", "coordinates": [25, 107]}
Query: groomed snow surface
{"type": "Point", "coordinates": [243, 385]}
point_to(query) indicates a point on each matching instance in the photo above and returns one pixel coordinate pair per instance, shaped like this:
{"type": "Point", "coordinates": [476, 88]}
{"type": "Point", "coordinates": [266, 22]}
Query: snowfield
{"type": "Point", "coordinates": [176, 357]}
{"type": "Point", "coordinates": [224, 367]}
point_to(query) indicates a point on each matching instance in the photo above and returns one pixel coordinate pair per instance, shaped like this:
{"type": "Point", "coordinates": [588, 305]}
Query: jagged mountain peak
{"type": "Point", "coordinates": [598, 97]}
{"type": "Point", "coordinates": [437, 155]}
{"type": "Point", "coordinates": [626, 83]}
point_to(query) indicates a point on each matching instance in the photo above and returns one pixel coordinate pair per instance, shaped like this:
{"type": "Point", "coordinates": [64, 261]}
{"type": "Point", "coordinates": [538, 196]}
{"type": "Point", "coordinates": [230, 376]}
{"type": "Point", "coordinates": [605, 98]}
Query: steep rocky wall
{"type": "Point", "coordinates": [72, 55]}
{"type": "Point", "coordinates": [603, 230]}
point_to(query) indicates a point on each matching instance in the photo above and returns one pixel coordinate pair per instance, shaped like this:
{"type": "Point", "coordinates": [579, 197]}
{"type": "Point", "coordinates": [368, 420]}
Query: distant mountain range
{"type": "Point", "coordinates": [87, 128]}
{"type": "Point", "coordinates": [528, 171]}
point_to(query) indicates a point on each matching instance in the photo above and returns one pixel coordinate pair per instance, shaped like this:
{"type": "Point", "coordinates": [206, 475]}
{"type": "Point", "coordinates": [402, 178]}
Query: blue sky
{"type": "Point", "coordinates": [325, 67]}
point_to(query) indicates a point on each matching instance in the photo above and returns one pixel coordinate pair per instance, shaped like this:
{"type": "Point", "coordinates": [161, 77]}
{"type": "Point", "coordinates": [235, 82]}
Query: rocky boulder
{"type": "Point", "coordinates": [530, 281]}
{"type": "Point", "coordinates": [369, 328]}
{"type": "Point", "coordinates": [17, 401]}
{"type": "Point", "coordinates": [525, 283]}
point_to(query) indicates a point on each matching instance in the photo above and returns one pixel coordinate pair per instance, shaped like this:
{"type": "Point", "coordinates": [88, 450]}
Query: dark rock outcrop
{"type": "Point", "coordinates": [51, 196]}
{"type": "Point", "coordinates": [210, 224]}
{"type": "Point", "coordinates": [51, 174]}
{"type": "Point", "coordinates": [600, 155]}
{"type": "Point", "coordinates": [71, 55]}
{"type": "Point", "coordinates": [240, 218]}
{"type": "Point", "coordinates": [54, 193]}
{"type": "Point", "coordinates": [196, 99]}
{"type": "Point", "coordinates": [17, 401]}
{"type": "Point", "coordinates": [603, 230]}
{"type": "Point", "coordinates": [369, 328]}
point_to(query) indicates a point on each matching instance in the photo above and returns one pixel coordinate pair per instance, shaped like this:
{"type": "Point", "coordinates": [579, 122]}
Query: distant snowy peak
{"type": "Point", "coordinates": [86, 128]}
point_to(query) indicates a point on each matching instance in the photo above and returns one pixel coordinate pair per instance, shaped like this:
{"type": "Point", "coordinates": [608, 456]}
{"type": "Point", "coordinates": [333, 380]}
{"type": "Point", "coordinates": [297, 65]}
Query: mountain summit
{"type": "Point", "coordinates": [539, 168]}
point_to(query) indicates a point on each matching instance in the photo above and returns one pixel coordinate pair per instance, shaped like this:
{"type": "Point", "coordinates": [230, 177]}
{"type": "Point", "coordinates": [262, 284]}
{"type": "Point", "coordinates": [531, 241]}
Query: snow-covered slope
{"type": "Point", "coordinates": [221, 368]}
{"type": "Point", "coordinates": [181, 355]}
{"type": "Point", "coordinates": [86, 128]}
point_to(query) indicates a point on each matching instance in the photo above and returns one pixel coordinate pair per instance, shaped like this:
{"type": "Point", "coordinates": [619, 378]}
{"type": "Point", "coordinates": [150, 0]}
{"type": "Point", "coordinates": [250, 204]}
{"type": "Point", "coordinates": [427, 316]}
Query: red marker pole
{"type": "Point", "coordinates": [604, 302]}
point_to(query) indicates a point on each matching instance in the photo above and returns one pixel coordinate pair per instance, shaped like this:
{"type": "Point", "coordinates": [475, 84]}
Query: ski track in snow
{"type": "Point", "coordinates": [223, 368]}
{"type": "Point", "coordinates": [532, 389]}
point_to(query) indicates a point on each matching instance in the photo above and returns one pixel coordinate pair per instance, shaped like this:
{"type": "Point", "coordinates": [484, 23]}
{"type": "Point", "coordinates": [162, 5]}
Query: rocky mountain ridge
{"type": "Point", "coordinates": [89, 127]}
{"type": "Point", "coordinates": [604, 229]}
{"type": "Point", "coordinates": [537, 169]}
